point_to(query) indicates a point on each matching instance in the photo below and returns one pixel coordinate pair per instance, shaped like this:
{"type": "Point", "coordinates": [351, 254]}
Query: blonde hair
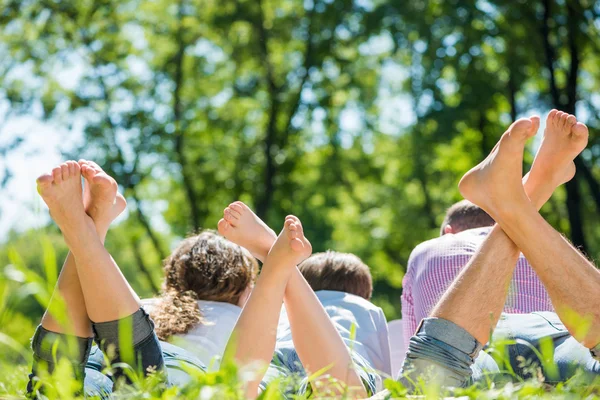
{"type": "Point", "coordinates": [203, 267]}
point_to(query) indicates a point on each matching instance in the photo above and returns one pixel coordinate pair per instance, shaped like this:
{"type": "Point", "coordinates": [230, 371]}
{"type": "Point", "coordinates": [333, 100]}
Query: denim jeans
{"type": "Point", "coordinates": [286, 364]}
{"type": "Point", "coordinates": [444, 353]}
{"type": "Point", "coordinates": [89, 362]}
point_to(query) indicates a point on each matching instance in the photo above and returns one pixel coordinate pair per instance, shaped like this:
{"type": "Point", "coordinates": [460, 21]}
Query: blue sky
{"type": "Point", "coordinates": [21, 206]}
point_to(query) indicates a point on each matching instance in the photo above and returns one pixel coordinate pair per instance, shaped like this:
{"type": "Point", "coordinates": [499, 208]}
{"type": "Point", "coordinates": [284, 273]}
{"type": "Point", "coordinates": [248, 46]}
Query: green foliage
{"type": "Point", "coordinates": [357, 116]}
{"type": "Point", "coordinates": [15, 360]}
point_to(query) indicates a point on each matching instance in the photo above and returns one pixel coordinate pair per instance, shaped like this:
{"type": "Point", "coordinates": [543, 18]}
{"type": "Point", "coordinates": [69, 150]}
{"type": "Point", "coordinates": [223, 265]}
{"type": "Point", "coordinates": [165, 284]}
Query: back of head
{"type": "Point", "coordinates": [341, 272]}
{"type": "Point", "coordinates": [203, 267]}
{"type": "Point", "coordinates": [465, 215]}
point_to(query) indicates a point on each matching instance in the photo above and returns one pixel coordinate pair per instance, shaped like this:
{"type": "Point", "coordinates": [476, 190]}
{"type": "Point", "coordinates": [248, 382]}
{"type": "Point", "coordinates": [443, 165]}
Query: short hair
{"type": "Point", "coordinates": [466, 215]}
{"type": "Point", "coordinates": [341, 272]}
{"type": "Point", "coordinates": [202, 267]}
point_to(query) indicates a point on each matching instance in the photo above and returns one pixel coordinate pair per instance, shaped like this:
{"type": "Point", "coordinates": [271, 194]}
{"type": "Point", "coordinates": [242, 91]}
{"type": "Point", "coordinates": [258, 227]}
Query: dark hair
{"type": "Point", "coordinates": [338, 271]}
{"type": "Point", "coordinates": [466, 215]}
{"type": "Point", "coordinates": [203, 267]}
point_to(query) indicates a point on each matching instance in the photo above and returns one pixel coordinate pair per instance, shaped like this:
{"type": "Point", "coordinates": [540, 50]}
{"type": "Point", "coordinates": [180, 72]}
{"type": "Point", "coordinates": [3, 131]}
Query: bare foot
{"type": "Point", "coordinates": [291, 246]}
{"type": "Point", "coordinates": [241, 226]}
{"type": "Point", "coordinates": [101, 199]}
{"type": "Point", "coordinates": [61, 191]}
{"type": "Point", "coordinates": [497, 179]}
{"type": "Point", "coordinates": [564, 138]}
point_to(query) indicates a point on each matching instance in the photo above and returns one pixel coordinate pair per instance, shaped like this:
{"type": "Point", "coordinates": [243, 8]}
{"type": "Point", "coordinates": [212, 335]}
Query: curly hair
{"type": "Point", "coordinates": [203, 267]}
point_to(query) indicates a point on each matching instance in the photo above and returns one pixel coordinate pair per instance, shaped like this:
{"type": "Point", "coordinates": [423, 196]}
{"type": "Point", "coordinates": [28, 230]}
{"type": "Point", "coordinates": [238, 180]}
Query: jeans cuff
{"type": "Point", "coordinates": [49, 346]}
{"type": "Point", "coordinates": [107, 333]}
{"type": "Point", "coordinates": [451, 334]}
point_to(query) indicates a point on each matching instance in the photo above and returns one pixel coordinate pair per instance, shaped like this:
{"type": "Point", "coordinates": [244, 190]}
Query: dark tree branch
{"type": "Point", "coordinates": [146, 224]}
{"type": "Point", "coordinates": [271, 133]}
{"type": "Point", "coordinates": [308, 64]}
{"type": "Point", "coordinates": [549, 52]}
{"type": "Point", "coordinates": [512, 94]}
{"type": "Point", "coordinates": [129, 181]}
{"type": "Point", "coordinates": [178, 78]}
{"type": "Point", "coordinates": [137, 253]}
{"type": "Point", "coordinates": [573, 189]}
{"type": "Point", "coordinates": [573, 29]}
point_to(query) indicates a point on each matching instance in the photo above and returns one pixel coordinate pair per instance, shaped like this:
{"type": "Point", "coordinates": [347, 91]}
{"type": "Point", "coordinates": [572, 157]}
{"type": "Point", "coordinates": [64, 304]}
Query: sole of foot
{"type": "Point", "coordinates": [244, 228]}
{"type": "Point", "coordinates": [291, 244]}
{"type": "Point", "coordinates": [497, 179]}
{"type": "Point", "coordinates": [61, 191]}
{"type": "Point", "coordinates": [101, 198]}
{"type": "Point", "coordinates": [564, 139]}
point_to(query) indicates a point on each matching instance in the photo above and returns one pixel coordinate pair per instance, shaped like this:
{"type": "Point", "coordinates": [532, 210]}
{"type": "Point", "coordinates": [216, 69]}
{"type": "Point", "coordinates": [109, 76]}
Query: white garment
{"type": "Point", "coordinates": [207, 340]}
{"type": "Point", "coordinates": [371, 339]}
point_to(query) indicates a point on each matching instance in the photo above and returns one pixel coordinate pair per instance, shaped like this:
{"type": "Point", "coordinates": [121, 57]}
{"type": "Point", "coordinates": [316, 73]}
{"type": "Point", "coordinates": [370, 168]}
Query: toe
{"type": "Point", "coordinates": [74, 168]}
{"type": "Point", "coordinates": [236, 208]}
{"type": "Point", "coordinates": [535, 121]}
{"type": "Point", "coordinates": [64, 167]}
{"type": "Point", "coordinates": [45, 179]}
{"type": "Point", "coordinates": [223, 227]}
{"type": "Point", "coordinates": [227, 217]}
{"type": "Point", "coordinates": [552, 115]}
{"type": "Point", "coordinates": [296, 222]}
{"type": "Point", "coordinates": [560, 122]}
{"type": "Point", "coordinates": [288, 222]}
{"type": "Point", "coordinates": [71, 167]}
{"type": "Point", "coordinates": [232, 213]}
{"type": "Point", "coordinates": [242, 205]}
{"type": "Point", "coordinates": [95, 166]}
{"type": "Point", "coordinates": [292, 217]}
{"type": "Point", "coordinates": [571, 120]}
{"type": "Point", "coordinates": [87, 172]}
{"type": "Point", "coordinates": [57, 174]}
{"type": "Point", "coordinates": [521, 129]}
{"type": "Point", "coordinates": [580, 130]}
{"type": "Point", "coordinates": [556, 120]}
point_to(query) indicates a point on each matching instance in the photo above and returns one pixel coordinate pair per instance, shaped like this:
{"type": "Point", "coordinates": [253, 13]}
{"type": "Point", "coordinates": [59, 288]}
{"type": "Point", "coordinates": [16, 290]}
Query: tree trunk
{"type": "Point", "coordinates": [573, 191]}
{"type": "Point", "coordinates": [135, 245]}
{"type": "Point", "coordinates": [264, 204]}
{"type": "Point", "coordinates": [188, 180]}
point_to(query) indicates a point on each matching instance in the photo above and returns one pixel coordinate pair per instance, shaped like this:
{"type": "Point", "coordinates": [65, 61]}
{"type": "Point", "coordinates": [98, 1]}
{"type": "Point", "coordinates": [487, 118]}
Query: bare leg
{"type": "Point", "coordinates": [474, 301]}
{"type": "Point", "coordinates": [260, 316]}
{"type": "Point", "coordinates": [570, 279]}
{"type": "Point", "coordinates": [103, 211]}
{"type": "Point", "coordinates": [317, 341]}
{"type": "Point", "coordinates": [106, 293]}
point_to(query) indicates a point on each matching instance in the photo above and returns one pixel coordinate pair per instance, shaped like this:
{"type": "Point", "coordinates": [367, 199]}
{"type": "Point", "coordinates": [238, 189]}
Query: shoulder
{"type": "Point", "coordinates": [344, 300]}
{"type": "Point", "coordinates": [218, 310]}
{"type": "Point", "coordinates": [469, 239]}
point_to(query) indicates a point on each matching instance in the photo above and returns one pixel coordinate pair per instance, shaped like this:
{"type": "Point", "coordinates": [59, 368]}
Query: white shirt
{"type": "Point", "coordinates": [207, 340]}
{"type": "Point", "coordinates": [371, 340]}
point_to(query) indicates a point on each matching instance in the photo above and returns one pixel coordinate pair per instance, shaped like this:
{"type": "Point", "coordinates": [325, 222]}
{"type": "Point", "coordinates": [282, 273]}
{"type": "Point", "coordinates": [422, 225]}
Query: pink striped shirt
{"type": "Point", "coordinates": [434, 264]}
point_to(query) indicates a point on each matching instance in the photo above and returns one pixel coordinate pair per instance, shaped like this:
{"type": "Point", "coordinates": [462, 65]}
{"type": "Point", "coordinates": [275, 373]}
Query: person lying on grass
{"type": "Point", "coordinates": [207, 282]}
{"type": "Point", "coordinates": [97, 300]}
{"type": "Point", "coordinates": [434, 264]}
{"type": "Point", "coordinates": [447, 347]}
{"type": "Point", "coordinates": [317, 344]}
{"type": "Point", "coordinates": [343, 285]}
{"type": "Point", "coordinates": [101, 305]}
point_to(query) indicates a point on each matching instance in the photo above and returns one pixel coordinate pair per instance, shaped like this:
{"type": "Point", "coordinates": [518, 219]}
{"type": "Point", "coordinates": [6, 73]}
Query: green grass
{"type": "Point", "coordinates": [25, 293]}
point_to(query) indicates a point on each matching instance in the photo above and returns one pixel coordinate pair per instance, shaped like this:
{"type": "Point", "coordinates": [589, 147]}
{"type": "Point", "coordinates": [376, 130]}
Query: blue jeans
{"type": "Point", "coordinates": [89, 362]}
{"type": "Point", "coordinates": [286, 366]}
{"type": "Point", "coordinates": [444, 353]}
